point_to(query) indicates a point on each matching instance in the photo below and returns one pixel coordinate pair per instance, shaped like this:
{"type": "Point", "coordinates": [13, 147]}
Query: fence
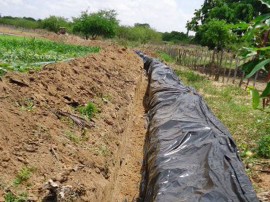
{"type": "Point", "coordinates": [222, 66]}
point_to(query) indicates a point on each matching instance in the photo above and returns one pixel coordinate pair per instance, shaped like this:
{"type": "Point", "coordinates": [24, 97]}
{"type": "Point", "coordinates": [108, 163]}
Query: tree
{"type": "Point", "coordinates": [215, 34]}
{"type": "Point", "coordinates": [175, 37]}
{"type": "Point", "coordinates": [53, 23]}
{"type": "Point", "coordinates": [102, 23]}
{"type": "Point", "coordinates": [231, 11]}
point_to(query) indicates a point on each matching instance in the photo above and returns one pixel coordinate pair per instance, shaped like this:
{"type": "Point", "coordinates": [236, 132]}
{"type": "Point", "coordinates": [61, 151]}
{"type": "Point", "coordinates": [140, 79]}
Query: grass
{"type": "Point", "coordinates": [23, 175]}
{"type": "Point", "coordinates": [24, 54]}
{"type": "Point", "coordinates": [10, 197]}
{"type": "Point", "coordinates": [165, 57]}
{"type": "Point", "coordinates": [75, 138]}
{"type": "Point", "coordinates": [232, 105]}
{"type": "Point", "coordinates": [89, 110]}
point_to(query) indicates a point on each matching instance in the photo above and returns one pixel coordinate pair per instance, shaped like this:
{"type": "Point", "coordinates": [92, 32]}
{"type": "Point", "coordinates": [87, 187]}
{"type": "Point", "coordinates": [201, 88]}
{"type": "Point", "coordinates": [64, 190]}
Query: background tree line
{"type": "Point", "coordinates": [103, 23]}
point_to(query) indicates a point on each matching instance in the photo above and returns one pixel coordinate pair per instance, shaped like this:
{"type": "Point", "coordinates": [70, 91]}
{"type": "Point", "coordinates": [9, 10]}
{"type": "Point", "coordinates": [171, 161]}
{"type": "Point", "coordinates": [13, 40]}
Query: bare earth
{"type": "Point", "coordinates": [100, 163]}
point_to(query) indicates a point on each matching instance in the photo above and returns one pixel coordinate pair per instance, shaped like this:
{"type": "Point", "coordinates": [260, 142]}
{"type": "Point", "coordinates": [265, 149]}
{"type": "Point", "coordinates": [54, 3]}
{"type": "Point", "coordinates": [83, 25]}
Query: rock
{"type": "Point", "coordinates": [109, 122]}
{"type": "Point", "coordinates": [97, 170]}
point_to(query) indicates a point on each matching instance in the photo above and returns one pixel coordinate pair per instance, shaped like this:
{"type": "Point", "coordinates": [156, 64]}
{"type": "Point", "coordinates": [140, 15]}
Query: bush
{"type": "Point", "coordinates": [53, 23]}
{"type": "Point", "coordinates": [142, 34]}
{"type": "Point", "coordinates": [102, 23]}
{"type": "Point", "coordinates": [264, 146]}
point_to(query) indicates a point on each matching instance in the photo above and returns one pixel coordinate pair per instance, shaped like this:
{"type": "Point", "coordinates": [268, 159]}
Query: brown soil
{"type": "Point", "coordinates": [100, 163]}
{"type": "Point", "coordinates": [85, 164]}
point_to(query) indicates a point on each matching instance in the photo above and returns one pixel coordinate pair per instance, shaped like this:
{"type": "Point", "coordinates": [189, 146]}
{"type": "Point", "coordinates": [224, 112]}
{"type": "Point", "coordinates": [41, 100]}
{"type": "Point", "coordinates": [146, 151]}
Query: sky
{"type": "Point", "coordinates": [162, 15]}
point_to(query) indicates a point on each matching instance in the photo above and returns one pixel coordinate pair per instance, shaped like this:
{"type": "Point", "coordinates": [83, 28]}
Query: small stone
{"type": "Point", "coordinates": [109, 122]}
{"type": "Point", "coordinates": [97, 170]}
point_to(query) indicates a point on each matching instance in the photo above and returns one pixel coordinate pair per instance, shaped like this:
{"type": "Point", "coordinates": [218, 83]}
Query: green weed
{"type": "Point", "coordinates": [10, 197]}
{"type": "Point", "coordinates": [264, 146]}
{"type": "Point", "coordinates": [23, 175]}
{"type": "Point", "coordinates": [89, 110]}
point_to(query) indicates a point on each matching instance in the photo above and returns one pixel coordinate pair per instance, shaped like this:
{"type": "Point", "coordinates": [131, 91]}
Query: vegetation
{"type": "Point", "coordinates": [176, 37]}
{"type": "Point", "coordinates": [264, 146]}
{"type": "Point", "coordinates": [10, 197]}
{"type": "Point", "coordinates": [259, 47]}
{"type": "Point", "coordinates": [29, 23]}
{"type": "Point", "coordinates": [102, 23]}
{"type": "Point", "coordinates": [23, 54]}
{"type": "Point", "coordinates": [89, 110]}
{"type": "Point", "coordinates": [53, 24]}
{"type": "Point", "coordinates": [227, 10]}
{"type": "Point", "coordinates": [243, 25]}
{"type": "Point", "coordinates": [139, 33]}
{"type": "Point", "coordinates": [214, 34]}
{"type": "Point", "coordinates": [165, 57]}
{"type": "Point", "coordinates": [23, 175]}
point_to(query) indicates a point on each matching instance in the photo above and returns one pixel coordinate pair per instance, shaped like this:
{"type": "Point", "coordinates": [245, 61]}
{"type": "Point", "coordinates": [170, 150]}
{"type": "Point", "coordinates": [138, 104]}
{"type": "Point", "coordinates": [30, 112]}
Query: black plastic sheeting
{"type": "Point", "coordinates": [189, 154]}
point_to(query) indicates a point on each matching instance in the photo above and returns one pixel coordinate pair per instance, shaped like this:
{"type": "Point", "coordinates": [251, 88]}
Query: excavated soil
{"type": "Point", "coordinates": [98, 162]}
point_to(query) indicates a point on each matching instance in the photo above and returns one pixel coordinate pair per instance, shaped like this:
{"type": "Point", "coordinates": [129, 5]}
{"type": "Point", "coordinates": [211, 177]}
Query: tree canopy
{"type": "Point", "coordinates": [53, 23]}
{"type": "Point", "coordinates": [230, 11]}
{"type": "Point", "coordinates": [102, 23]}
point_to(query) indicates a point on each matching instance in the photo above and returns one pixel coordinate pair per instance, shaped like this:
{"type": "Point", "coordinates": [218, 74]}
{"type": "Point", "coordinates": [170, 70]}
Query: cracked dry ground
{"type": "Point", "coordinates": [100, 163]}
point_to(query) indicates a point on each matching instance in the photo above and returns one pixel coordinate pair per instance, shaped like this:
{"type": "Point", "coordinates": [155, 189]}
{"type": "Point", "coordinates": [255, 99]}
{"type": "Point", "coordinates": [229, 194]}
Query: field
{"type": "Point", "coordinates": [24, 54]}
{"type": "Point", "coordinates": [78, 123]}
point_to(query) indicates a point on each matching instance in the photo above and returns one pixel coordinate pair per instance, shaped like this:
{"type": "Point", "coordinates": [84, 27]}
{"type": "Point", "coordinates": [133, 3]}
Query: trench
{"type": "Point", "coordinates": [126, 178]}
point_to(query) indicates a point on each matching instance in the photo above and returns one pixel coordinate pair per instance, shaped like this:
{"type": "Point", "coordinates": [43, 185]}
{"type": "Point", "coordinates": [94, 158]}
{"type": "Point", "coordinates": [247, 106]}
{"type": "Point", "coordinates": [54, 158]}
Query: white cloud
{"type": "Point", "coordinates": [163, 15]}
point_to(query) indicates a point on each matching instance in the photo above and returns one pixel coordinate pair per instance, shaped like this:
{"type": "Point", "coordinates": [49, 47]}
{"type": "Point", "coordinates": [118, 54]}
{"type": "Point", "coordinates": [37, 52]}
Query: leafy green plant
{"type": "Point", "coordinates": [23, 54]}
{"type": "Point", "coordinates": [264, 146]}
{"type": "Point", "coordinates": [23, 175]}
{"type": "Point", "coordinates": [10, 197]}
{"type": "Point", "coordinates": [89, 110]}
{"type": "Point", "coordinates": [259, 37]}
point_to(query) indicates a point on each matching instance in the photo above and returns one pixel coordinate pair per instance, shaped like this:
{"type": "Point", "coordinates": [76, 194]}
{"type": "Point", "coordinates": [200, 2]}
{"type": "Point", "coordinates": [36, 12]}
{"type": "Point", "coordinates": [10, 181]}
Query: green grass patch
{"type": "Point", "coordinates": [23, 175]}
{"type": "Point", "coordinates": [89, 110]}
{"type": "Point", "coordinates": [23, 54]}
{"type": "Point", "coordinates": [232, 105]}
{"type": "Point", "coordinates": [165, 57]}
{"type": "Point", "coordinates": [10, 197]}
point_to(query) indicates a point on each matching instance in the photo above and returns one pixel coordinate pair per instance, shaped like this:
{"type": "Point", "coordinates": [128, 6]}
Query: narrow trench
{"type": "Point", "coordinates": [125, 185]}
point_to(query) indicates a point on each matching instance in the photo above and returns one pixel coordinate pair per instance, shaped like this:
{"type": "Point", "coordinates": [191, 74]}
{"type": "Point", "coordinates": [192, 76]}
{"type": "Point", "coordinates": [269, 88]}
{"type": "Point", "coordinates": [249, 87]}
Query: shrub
{"type": "Point", "coordinates": [264, 146]}
{"type": "Point", "coordinates": [89, 110]}
{"type": "Point", "coordinates": [139, 34]}
{"type": "Point", "coordinates": [102, 23]}
{"type": "Point", "coordinates": [53, 23]}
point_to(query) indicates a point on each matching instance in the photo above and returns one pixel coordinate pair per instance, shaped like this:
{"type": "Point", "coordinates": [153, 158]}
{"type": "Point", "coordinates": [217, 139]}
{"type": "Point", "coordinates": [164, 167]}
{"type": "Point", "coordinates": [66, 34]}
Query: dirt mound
{"type": "Point", "coordinates": [42, 150]}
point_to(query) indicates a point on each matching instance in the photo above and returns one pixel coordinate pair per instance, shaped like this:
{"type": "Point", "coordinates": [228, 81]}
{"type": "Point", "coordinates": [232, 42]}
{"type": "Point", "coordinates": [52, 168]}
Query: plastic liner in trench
{"type": "Point", "coordinates": [189, 154]}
